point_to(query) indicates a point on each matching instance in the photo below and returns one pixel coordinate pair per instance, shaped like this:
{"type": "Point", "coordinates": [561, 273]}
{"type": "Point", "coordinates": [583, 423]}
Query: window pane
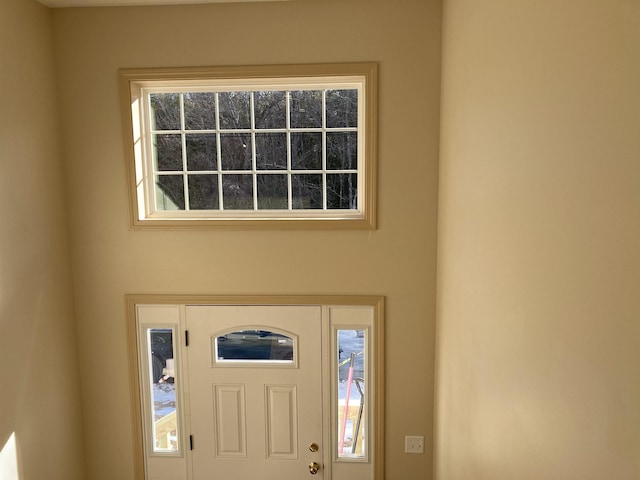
{"type": "Point", "coordinates": [342, 191]}
{"type": "Point", "coordinates": [165, 111]}
{"type": "Point", "coordinates": [351, 394]}
{"type": "Point", "coordinates": [203, 192]}
{"type": "Point", "coordinates": [306, 151]}
{"type": "Point", "coordinates": [272, 192]}
{"type": "Point", "coordinates": [306, 191]}
{"type": "Point", "coordinates": [201, 152]}
{"type": "Point", "coordinates": [238, 192]}
{"type": "Point", "coordinates": [162, 374]}
{"type": "Point", "coordinates": [254, 345]}
{"type": "Point", "coordinates": [235, 110]}
{"type": "Point", "coordinates": [169, 192]}
{"type": "Point", "coordinates": [342, 151]}
{"type": "Point", "coordinates": [271, 151]}
{"type": "Point", "coordinates": [199, 111]}
{"type": "Point", "coordinates": [342, 108]}
{"type": "Point", "coordinates": [271, 109]}
{"type": "Point", "coordinates": [306, 109]}
{"type": "Point", "coordinates": [307, 125]}
{"type": "Point", "coordinates": [235, 151]}
{"type": "Point", "coordinates": [168, 152]}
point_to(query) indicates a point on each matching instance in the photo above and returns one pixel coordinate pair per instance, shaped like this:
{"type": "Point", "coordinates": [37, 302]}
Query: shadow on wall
{"type": "Point", "coordinates": [9, 464]}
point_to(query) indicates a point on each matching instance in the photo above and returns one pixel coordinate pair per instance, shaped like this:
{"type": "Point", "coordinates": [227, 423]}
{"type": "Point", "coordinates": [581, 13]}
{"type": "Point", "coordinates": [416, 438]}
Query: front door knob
{"type": "Point", "coordinates": [314, 467]}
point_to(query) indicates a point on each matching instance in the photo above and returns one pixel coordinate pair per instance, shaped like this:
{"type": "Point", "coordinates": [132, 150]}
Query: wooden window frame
{"type": "Point", "coordinates": [132, 85]}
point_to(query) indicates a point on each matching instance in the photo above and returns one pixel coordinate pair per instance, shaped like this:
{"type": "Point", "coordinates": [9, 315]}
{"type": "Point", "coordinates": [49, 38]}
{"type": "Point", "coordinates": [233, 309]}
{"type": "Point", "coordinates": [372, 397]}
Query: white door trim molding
{"type": "Point", "coordinates": [376, 412]}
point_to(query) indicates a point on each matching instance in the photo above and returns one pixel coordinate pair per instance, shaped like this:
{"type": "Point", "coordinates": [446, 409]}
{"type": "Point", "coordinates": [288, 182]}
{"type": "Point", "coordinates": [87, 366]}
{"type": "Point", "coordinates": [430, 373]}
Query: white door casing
{"type": "Point", "coordinates": [245, 420]}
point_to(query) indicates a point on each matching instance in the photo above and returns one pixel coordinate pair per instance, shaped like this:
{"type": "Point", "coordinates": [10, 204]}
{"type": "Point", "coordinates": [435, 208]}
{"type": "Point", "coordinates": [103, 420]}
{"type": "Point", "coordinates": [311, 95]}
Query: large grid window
{"type": "Point", "coordinates": [255, 150]}
{"type": "Point", "coordinates": [290, 148]}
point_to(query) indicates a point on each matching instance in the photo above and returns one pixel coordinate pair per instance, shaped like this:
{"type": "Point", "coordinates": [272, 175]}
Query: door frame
{"type": "Point", "coordinates": [376, 413]}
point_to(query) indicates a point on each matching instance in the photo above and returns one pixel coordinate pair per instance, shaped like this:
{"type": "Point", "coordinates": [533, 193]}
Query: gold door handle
{"type": "Point", "coordinates": [314, 467]}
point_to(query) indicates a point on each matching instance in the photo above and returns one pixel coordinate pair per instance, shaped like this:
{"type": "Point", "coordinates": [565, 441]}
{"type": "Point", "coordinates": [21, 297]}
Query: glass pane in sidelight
{"type": "Point", "coordinates": [351, 394]}
{"type": "Point", "coordinates": [162, 373]}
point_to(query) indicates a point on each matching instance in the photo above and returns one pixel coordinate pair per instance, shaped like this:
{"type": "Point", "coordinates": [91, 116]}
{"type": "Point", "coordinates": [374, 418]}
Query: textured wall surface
{"type": "Point", "coordinates": [396, 260]}
{"type": "Point", "coordinates": [39, 393]}
{"type": "Point", "coordinates": [539, 227]}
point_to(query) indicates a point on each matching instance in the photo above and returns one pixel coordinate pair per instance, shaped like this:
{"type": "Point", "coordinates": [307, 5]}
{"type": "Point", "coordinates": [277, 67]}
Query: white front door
{"type": "Point", "coordinates": [252, 416]}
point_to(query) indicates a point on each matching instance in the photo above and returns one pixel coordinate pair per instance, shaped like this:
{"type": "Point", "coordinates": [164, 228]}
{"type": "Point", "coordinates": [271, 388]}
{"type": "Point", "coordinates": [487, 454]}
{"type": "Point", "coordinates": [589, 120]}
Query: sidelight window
{"type": "Point", "coordinates": [351, 394]}
{"type": "Point", "coordinates": [162, 402]}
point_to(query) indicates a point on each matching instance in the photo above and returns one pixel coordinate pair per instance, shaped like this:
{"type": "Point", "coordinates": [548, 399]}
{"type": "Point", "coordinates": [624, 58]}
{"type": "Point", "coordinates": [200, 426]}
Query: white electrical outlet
{"type": "Point", "coordinates": [413, 444]}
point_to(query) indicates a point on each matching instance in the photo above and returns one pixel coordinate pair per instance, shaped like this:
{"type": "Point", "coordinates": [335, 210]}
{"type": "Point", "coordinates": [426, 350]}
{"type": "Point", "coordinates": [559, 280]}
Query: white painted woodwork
{"type": "Point", "coordinates": [259, 417]}
{"type": "Point", "coordinates": [255, 420]}
{"type": "Point", "coordinates": [354, 317]}
{"type": "Point", "coordinates": [281, 425]}
{"type": "Point", "coordinates": [159, 466]}
{"type": "Point", "coordinates": [229, 407]}
{"type": "Point", "coordinates": [130, 3]}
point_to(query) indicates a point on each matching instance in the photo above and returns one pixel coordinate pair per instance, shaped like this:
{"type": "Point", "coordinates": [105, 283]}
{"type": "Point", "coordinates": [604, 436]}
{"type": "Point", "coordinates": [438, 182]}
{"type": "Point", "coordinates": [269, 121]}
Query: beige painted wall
{"type": "Point", "coordinates": [539, 228]}
{"type": "Point", "coordinates": [39, 384]}
{"type": "Point", "coordinates": [109, 260]}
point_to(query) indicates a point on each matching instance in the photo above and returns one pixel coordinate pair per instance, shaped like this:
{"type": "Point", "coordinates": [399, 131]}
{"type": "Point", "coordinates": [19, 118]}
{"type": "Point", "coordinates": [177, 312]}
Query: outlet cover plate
{"type": "Point", "coordinates": [413, 444]}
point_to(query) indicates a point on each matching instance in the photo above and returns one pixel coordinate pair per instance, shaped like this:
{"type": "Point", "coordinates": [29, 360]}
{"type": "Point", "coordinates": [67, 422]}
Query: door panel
{"type": "Point", "coordinates": [255, 418]}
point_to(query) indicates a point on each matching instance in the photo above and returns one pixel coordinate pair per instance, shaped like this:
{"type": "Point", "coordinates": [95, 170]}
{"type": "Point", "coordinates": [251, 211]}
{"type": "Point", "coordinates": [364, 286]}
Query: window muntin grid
{"type": "Point", "coordinates": [212, 161]}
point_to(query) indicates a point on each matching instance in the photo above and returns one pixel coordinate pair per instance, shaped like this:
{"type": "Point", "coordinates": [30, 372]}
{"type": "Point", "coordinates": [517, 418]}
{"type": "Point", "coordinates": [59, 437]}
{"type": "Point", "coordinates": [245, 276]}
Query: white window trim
{"type": "Point", "coordinates": [135, 85]}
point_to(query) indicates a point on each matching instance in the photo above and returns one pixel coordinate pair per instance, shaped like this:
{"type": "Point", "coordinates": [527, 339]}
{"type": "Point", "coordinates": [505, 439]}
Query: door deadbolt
{"type": "Point", "coordinates": [313, 447]}
{"type": "Point", "coordinates": [314, 467]}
